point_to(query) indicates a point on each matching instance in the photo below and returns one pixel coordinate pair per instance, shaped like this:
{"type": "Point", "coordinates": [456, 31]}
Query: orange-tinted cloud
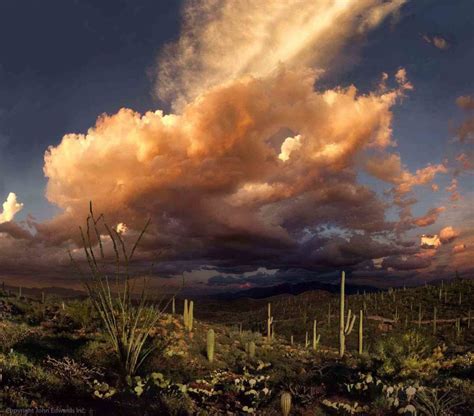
{"type": "Point", "coordinates": [459, 248]}
{"type": "Point", "coordinates": [213, 49]}
{"type": "Point", "coordinates": [215, 169]}
{"type": "Point", "coordinates": [429, 218]}
{"type": "Point", "coordinates": [448, 234]}
{"type": "Point", "coordinates": [452, 189]}
{"type": "Point", "coordinates": [466, 102]}
{"type": "Point", "coordinates": [389, 168]}
{"type": "Point", "coordinates": [465, 132]}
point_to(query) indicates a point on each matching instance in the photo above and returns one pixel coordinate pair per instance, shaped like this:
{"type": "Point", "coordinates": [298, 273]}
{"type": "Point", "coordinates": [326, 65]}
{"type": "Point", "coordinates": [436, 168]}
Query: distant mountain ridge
{"type": "Point", "coordinates": [293, 289]}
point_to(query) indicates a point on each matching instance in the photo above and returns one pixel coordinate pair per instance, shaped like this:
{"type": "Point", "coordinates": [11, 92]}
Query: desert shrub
{"type": "Point", "coordinates": [433, 402]}
{"type": "Point", "coordinates": [12, 334]}
{"type": "Point", "coordinates": [97, 353]}
{"type": "Point", "coordinates": [81, 313]}
{"type": "Point", "coordinates": [403, 354]}
{"type": "Point", "coordinates": [73, 373]}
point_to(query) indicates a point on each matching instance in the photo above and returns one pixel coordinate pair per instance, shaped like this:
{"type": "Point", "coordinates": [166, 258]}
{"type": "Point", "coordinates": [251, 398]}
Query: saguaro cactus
{"type": "Point", "coordinates": [251, 349]}
{"type": "Point", "coordinates": [345, 325]}
{"type": "Point", "coordinates": [191, 316]}
{"type": "Point", "coordinates": [361, 332]}
{"type": "Point", "coordinates": [19, 292]}
{"type": "Point", "coordinates": [42, 298]}
{"type": "Point", "coordinates": [173, 305]}
{"type": "Point", "coordinates": [210, 345]}
{"type": "Point", "coordinates": [419, 315]}
{"type": "Point", "coordinates": [458, 328]}
{"type": "Point", "coordinates": [269, 322]}
{"type": "Point", "coordinates": [316, 337]}
{"type": "Point", "coordinates": [286, 403]}
{"type": "Point", "coordinates": [306, 340]}
{"type": "Point", "coordinates": [185, 313]}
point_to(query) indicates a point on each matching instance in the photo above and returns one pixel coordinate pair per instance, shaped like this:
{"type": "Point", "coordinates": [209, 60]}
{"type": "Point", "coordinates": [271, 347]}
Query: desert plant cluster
{"type": "Point", "coordinates": [402, 351]}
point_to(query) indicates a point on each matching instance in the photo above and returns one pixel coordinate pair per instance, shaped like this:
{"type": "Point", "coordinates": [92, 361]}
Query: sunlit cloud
{"type": "Point", "coordinates": [11, 207]}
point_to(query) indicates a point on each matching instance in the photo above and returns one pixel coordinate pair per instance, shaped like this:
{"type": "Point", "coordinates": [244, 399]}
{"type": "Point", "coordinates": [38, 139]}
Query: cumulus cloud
{"type": "Point", "coordinates": [389, 168]}
{"type": "Point", "coordinates": [448, 234]}
{"type": "Point", "coordinates": [11, 207]}
{"type": "Point", "coordinates": [212, 178]}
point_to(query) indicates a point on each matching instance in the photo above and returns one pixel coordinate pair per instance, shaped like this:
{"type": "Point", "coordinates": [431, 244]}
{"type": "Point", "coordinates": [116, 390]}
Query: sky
{"type": "Point", "coordinates": [267, 142]}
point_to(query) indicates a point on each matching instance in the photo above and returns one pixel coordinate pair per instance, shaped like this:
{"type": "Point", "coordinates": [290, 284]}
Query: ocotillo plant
{"type": "Point", "coordinates": [210, 345]}
{"type": "Point", "coordinates": [345, 325]}
{"type": "Point", "coordinates": [269, 322]}
{"type": "Point", "coordinates": [316, 337]}
{"type": "Point", "coordinates": [435, 313]}
{"type": "Point", "coordinates": [361, 331]}
{"type": "Point", "coordinates": [285, 403]}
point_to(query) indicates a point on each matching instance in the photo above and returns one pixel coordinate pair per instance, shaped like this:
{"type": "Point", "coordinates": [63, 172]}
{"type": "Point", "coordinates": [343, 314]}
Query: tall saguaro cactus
{"type": "Point", "coordinates": [210, 345]}
{"type": "Point", "coordinates": [191, 316]}
{"type": "Point", "coordinates": [345, 325]}
{"type": "Point", "coordinates": [316, 336]}
{"type": "Point", "coordinates": [361, 332]}
{"type": "Point", "coordinates": [269, 322]}
{"type": "Point", "coordinates": [185, 313]}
